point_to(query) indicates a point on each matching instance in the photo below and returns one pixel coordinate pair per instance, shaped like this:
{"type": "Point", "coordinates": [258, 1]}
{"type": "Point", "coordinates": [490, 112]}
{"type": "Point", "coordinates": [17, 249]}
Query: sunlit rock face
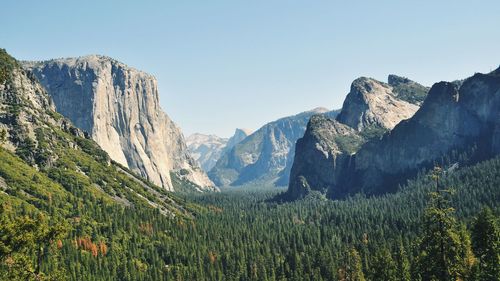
{"type": "Point", "coordinates": [326, 152]}
{"type": "Point", "coordinates": [119, 107]}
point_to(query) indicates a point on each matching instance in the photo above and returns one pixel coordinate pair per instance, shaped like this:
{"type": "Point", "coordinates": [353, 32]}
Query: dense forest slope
{"type": "Point", "coordinates": [119, 107]}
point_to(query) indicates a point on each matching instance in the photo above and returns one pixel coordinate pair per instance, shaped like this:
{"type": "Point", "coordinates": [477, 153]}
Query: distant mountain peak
{"type": "Point", "coordinates": [244, 131]}
{"type": "Point", "coordinates": [319, 110]}
{"type": "Point", "coordinates": [267, 154]}
{"type": "Point", "coordinates": [207, 149]}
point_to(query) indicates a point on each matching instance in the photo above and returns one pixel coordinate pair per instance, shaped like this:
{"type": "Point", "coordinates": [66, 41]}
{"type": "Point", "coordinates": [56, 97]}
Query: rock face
{"type": "Point", "coordinates": [457, 122]}
{"type": "Point", "coordinates": [238, 136]}
{"type": "Point", "coordinates": [321, 155]}
{"type": "Point", "coordinates": [452, 118]}
{"type": "Point", "coordinates": [47, 162]}
{"type": "Point", "coordinates": [326, 151]}
{"type": "Point", "coordinates": [119, 107]}
{"type": "Point", "coordinates": [371, 102]}
{"type": "Point", "coordinates": [266, 155]}
{"type": "Point", "coordinates": [207, 149]}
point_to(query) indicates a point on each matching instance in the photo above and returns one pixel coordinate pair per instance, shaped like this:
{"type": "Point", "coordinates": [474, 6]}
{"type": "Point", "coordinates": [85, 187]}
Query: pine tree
{"type": "Point", "coordinates": [442, 253]}
{"type": "Point", "coordinates": [384, 267]}
{"type": "Point", "coordinates": [486, 245]}
{"type": "Point", "coordinates": [403, 264]}
{"type": "Point", "coordinates": [353, 270]}
{"type": "Point", "coordinates": [3, 136]}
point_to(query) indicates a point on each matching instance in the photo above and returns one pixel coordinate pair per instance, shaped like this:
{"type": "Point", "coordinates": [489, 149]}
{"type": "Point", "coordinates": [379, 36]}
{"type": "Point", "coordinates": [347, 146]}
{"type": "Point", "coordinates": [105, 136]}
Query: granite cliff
{"type": "Point", "coordinates": [325, 154]}
{"type": "Point", "coordinates": [266, 155]}
{"type": "Point", "coordinates": [119, 107]}
{"type": "Point", "coordinates": [50, 164]}
{"type": "Point", "coordinates": [457, 122]}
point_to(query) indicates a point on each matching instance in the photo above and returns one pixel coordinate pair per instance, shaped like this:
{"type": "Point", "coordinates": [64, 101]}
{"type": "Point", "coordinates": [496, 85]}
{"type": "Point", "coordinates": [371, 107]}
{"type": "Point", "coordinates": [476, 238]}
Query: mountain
{"type": "Point", "coordinates": [207, 149]}
{"type": "Point", "coordinates": [373, 103]}
{"type": "Point", "coordinates": [119, 107]}
{"type": "Point", "coordinates": [266, 155]}
{"type": "Point", "coordinates": [325, 153]}
{"type": "Point", "coordinates": [458, 123]}
{"type": "Point", "coordinates": [238, 136]}
{"type": "Point", "coordinates": [48, 164]}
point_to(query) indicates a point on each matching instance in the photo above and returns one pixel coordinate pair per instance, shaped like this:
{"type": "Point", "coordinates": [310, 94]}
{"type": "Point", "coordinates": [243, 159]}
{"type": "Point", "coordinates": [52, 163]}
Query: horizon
{"type": "Point", "coordinates": [225, 65]}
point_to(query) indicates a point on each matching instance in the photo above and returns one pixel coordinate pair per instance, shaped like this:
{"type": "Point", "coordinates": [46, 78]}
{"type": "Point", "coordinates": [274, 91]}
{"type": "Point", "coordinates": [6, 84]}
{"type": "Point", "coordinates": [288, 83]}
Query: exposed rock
{"type": "Point", "coordinates": [321, 156]}
{"type": "Point", "coordinates": [207, 149]}
{"type": "Point", "coordinates": [119, 107]}
{"type": "Point", "coordinates": [453, 122]}
{"type": "Point", "coordinates": [266, 155]}
{"type": "Point", "coordinates": [451, 118]}
{"type": "Point", "coordinates": [46, 157]}
{"type": "Point", "coordinates": [371, 102]}
{"type": "Point", "coordinates": [324, 155]}
{"type": "Point", "coordinates": [238, 136]}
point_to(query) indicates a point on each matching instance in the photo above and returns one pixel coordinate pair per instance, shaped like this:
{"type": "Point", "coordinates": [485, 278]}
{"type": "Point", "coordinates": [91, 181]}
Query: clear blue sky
{"type": "Point", "coordinates": [227, 64]}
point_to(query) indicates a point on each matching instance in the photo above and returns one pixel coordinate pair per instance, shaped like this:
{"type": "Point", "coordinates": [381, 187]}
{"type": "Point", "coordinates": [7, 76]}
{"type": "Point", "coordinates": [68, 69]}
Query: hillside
{"type": "Point", "coordinates": [52, 170]}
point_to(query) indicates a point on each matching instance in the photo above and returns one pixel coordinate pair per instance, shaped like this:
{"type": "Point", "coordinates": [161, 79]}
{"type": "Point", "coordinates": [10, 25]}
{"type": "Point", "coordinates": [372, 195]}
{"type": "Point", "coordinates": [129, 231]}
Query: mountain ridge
{"type": "Point", "coordinates": [265, 156]}
{"type": "Point", "coordinates": [371, 109]}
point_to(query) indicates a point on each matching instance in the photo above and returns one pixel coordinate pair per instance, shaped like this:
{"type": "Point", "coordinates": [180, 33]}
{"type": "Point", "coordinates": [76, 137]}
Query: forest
{"type": "Point", "coordinates": [440, 226]}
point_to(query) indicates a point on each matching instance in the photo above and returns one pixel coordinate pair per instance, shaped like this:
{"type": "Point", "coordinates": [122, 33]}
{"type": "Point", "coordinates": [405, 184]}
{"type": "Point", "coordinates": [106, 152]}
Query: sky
{"type": "Point", "coordinates": [232, 64]}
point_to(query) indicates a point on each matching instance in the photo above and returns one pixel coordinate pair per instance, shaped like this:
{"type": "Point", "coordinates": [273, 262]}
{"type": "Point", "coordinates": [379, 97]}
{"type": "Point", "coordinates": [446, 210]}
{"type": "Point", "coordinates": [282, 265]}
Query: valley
{"type": "Point", "coordinates": [97, 182]}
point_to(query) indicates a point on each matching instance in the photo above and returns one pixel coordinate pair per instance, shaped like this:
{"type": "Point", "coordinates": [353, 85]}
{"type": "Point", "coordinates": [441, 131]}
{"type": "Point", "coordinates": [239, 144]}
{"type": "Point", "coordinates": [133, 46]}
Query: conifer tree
{"type": "Point", "coordinates": [352, 270]}
{"type": "Point", "coordinates": [486, 245]}
{"type": "Point", "coordinates": [442, 253]}
{"type": "Point", "coordinates": [403, 264]}
{"type": "Point", "coordinates": [383, 266]}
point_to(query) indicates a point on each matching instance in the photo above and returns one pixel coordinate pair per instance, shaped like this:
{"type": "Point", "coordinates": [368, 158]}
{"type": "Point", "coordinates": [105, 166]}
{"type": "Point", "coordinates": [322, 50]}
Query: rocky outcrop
{"type": "Point", "coordinates": [452, 118]}
{"type": "Point", "coordinates": [119, 107]}
{"type": "Point", "coordinates": [321, 156]}
{"type": "Point", "coordinates": [457, 122]}
{"type": "Point", "coordinates": [373, 103]}
{"type": "Point", "coordinates": [49, 163]}
{"type": "Point", "coordinates": [207, 149]}
{"type": "Point", "coordinates": [325, 153]}
{"type": "Point", "coordinates": [238, 136]}
{"type": "Point", "coordinates": [266, 155]}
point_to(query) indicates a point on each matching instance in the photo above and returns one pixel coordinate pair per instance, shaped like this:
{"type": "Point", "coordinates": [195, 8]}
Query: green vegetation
{"type": "Point", "coordinates": [27, 243]}
{"type": "Point", "coordinates": [444, 248]}
{"type": "Point", "coordinates": [7, 65]}
{"type": "Point", "coordinates": [486, 245]}
{"type": "Point", "coordinates": [69, 213]}
{"type": "Point", "coordinates": [241, 235]}
{"type": "Point", "coordinates": [411, 92]}
{"type": "Point", "coordinates": [373, 132]}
